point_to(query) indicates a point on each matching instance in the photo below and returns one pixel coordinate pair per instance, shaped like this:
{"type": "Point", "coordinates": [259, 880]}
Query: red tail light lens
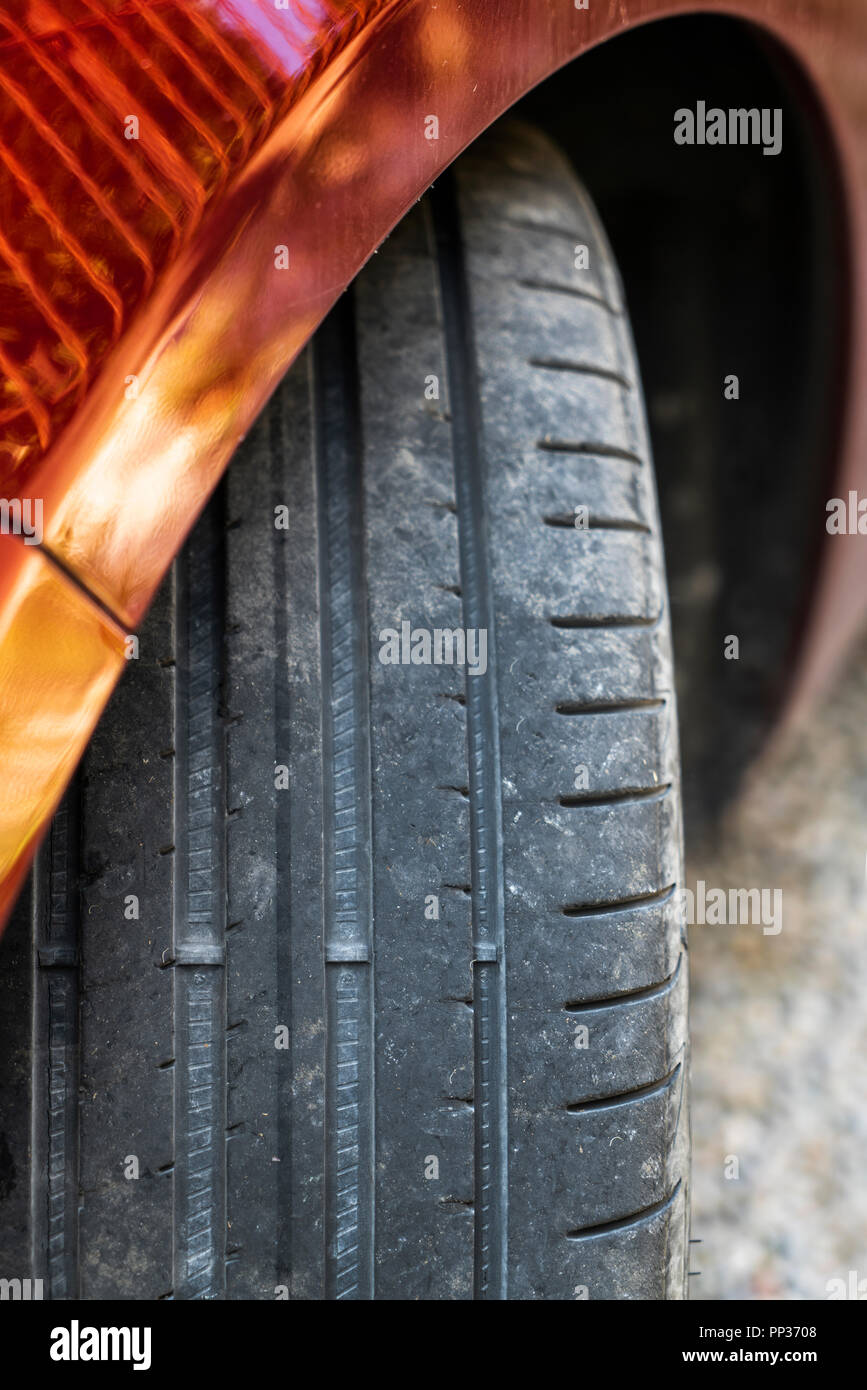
{"type": "Point", "coordinates": [120, 120]}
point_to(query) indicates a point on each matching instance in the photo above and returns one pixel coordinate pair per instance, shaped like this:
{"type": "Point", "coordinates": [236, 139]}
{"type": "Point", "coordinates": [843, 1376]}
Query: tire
{"type": "Point", "coordinates": [341, 978]}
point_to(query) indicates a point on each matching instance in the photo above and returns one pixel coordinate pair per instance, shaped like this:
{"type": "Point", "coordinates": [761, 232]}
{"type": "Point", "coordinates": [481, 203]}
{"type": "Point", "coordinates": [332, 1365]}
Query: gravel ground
{"type": "Point", "coordinates": [779, 1023]}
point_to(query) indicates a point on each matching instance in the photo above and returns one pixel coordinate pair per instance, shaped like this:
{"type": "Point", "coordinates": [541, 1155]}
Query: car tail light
{"type": "Point", "coordinates": [120, 121]}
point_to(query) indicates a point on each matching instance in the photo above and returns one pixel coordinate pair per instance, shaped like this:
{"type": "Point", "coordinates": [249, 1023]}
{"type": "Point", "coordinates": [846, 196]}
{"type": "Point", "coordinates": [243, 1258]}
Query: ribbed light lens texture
{"type": "Point", "coordinates": [120, 121]}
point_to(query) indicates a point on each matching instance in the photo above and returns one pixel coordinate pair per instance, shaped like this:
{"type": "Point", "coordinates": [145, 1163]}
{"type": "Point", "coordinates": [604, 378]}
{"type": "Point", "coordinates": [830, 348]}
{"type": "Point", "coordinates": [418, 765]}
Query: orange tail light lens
{"type": "Point", "coordinates": [120, 120]}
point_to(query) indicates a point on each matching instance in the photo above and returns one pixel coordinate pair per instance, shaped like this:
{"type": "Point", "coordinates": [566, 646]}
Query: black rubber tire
{"type": "Point", "coordinates": [412, 1025]}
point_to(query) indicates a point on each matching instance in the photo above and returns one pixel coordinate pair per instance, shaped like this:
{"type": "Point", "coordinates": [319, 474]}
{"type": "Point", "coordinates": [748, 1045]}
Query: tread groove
{"type": "Point", "coordinates": [566, 522]}
{"type": "Point", "coordinates": [596, 448]}
{"type": "Point", "coordinates": [652, 1088]}
{"type": "Point", "coordinates": [199, 983]}
{"type": "Point", "coordinates": [621, 796]}
{"type": "Point", "coordinates": [623, 1223]}
{"type": "Point", "coordinates": [348, 945]}
{"type": "Point", "coordinates": [579, 1006]}
{"type": "Point", "coordinates": [55, 1055]}
{"type": "Point", "coordinates": [551, 287]}
{"type": "Point", "coordinates": [568, 708]}
{"type": "Point", "coordinates": [559, 364]}
{"type": "Point", "coordinates": [527, 224]}
{"type": "Point", "coordinates": [580, 621]}
{"type": "Point", "coordinates": [662, 895]}
{"type": "Point", "coordinates": [489, 989]}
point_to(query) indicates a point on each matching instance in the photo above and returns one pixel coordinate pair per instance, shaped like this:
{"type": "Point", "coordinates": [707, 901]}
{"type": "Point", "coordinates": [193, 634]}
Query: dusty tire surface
{"type": "Point", "coordinates": [346, 971]}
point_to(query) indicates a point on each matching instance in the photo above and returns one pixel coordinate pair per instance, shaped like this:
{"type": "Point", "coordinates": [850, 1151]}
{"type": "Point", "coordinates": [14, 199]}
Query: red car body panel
{"type": "Point", "coordinates": [235, 242]}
